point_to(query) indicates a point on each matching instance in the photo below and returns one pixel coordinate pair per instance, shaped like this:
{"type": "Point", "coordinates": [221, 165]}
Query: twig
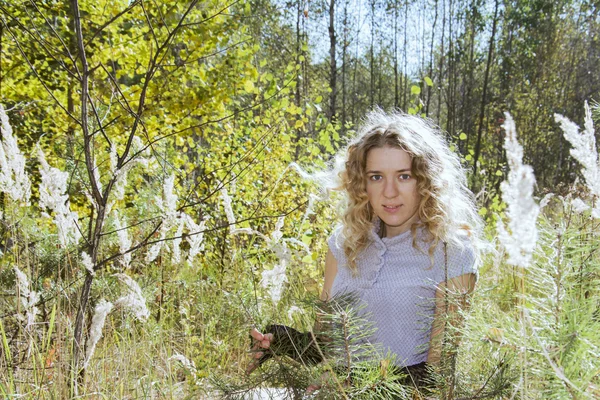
{"type": "Point", "coordinates": [110, 21]}
{"type": "Point", "coordinates": [32, 68]}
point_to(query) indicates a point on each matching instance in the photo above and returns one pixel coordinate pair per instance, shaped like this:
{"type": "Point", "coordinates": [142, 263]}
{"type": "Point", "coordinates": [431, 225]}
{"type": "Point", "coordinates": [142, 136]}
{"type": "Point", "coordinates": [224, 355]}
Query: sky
{"type": "Point", "coordinates": [419, 28]}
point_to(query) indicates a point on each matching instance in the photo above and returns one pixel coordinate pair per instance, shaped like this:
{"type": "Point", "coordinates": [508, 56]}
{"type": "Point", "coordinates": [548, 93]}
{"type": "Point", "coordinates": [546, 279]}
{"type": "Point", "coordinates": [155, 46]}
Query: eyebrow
{"type": "Point", "coordinates": [400, 170]}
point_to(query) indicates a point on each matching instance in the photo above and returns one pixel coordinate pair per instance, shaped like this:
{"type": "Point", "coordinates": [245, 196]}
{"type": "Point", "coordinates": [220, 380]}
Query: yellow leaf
{"type": "Point", "coordinates": [249, 86]}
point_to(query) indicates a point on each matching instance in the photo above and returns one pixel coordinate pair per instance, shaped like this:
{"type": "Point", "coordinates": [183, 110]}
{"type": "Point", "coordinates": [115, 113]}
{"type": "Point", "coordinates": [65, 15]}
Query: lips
{"type": "Point", "coordinates": [391, 208]}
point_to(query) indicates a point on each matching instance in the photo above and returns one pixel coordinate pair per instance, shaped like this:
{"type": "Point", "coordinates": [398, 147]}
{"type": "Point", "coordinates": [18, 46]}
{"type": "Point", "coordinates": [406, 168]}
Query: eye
{"type": "Point", "coordinates": [404, 177]}
{"type": "Point", "coordinates": [375, 178]}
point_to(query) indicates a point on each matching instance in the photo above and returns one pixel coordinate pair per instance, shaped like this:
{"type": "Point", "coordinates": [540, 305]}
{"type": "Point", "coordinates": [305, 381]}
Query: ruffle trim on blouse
{"type": "Point", "coordinates": [371, 261]}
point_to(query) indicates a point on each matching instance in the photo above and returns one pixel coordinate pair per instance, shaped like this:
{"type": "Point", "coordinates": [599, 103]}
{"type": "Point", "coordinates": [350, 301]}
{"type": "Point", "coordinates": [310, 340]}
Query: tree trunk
{"type": "Point", "coordinates": [429, 88]}
{"type": "Point", "coordinates": [88, 151]}
{"type": "Point", "coordinates": [450, 98]}
{"type": "Point", "coordinates": [441, 64]}
{"type": "Point", "coordinates": [298, 48]}
{"type": "Point", "coordinates": [466, 108]}
{"type": "Point", "coordinates": [484, 95]}
{"type": "Point", "coordinates": [332, 62]}
{"type": "Point", "coordinates": [344, 49]}
{"type": "Point", "coordinates": [396, 88]}
{"type": "Point", "coordinates": [372, 58]}
{"type": "Point", "coordinates": [405, 58]}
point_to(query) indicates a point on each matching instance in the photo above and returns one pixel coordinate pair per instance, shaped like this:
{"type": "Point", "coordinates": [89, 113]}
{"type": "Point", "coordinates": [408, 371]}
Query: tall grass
{"type": "Point", "coordinates": [532, 331]}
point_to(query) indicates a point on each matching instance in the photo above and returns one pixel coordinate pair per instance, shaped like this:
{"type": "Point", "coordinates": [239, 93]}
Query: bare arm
{"type": "Point", "coordinates": [447, 305]}
{"type": "Point", "coordinates": [330, 273]}
{"type": "Point", "coordinates": [283, 334]}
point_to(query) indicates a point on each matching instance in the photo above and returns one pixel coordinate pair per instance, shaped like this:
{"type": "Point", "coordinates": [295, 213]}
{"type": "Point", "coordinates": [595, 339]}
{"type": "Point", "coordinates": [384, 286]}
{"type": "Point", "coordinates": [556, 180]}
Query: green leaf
{"type": "Point", "coordinates": [428, 81]}
{"type": "Point", "coordinates": [307, 240]}
{"type": "Point", "coordinates": [249, 86]}
{"type": "Point", "coordinates": [498, 173]}
{"type": "Point", "coordinates": [463, 136]}
{"type": "Point", "coordinates": [414, 89]}
{"type": "Point", "coordinates": [318, 99]}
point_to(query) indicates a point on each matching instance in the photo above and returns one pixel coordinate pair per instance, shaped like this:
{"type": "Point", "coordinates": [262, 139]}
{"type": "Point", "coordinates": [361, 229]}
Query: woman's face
{"type": "Point", "coordinates": [392, 189]}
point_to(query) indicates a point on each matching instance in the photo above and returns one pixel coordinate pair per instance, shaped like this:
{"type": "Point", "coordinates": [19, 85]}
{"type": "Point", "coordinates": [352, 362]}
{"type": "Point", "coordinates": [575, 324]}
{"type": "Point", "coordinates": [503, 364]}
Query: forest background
{"type": "Point", "coordinates": [152, 211]}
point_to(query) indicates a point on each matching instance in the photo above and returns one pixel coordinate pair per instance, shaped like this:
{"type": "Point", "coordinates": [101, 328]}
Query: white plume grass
{"type": "Point", "coordinates": [584, 151]}
{"type": "Point", "coordinates": [273, 280]}
{"type": "Point", "coordinates": [134, 299]}
{"type": "Point", "coordinates": [276, 235]}
{"type": "Point", "coordinates": [121, 173]}
{"type": "Point", "coordinates": [29, 298]}
{"type": "Point", "coordinates": [195, 237]}
{"type": "Point", "coordinates": [187, 364]}
{"type": "Point", "coordinates": [103, 308]}
{"type": "Point", "coordinates": [231, 220]}
{"type": "Point", "coordinates": [154, 250]}
{"type": "Point", "coordinates": [228, 209]}
{"type": "Point", "coordinates": [520, 236]}
{"type": "Point", "coordinates": [293, 310]}
{"type": "Point", "coordinates": [53, 196]}
{"type": "Point", "coordinates": [167, 203]}
{"type": "Point", "coordinates": [86, 260]}
{"type": "Point", "coordinates": [113, 158]}
{"type": "Point", "coordinates": [176, 253]}
{"type": "Point", "coordinates": [124, 242]}
{"type": "Point", "coordinates": [546, 200]}
{"type": "Point", "coordinates": [579, 206]}
{"type": "Point", "coordinates": [14, 180]}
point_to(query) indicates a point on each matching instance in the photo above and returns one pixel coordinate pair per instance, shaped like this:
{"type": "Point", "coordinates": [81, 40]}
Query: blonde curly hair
{"type": "Point", "coordinates": [446, 210]}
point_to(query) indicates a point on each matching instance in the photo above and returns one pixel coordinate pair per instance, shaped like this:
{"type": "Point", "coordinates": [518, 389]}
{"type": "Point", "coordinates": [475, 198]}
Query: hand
{"type": "Point", "coordinates": [314, 387]}
{"type": "Point", "coordinates": [260, 341]}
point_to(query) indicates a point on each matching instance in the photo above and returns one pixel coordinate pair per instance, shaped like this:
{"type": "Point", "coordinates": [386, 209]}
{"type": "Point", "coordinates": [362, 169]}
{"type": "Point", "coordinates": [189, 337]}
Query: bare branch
{"type": "Point", "coordinates": [162, 17]}
{"type": "Point", "coordinates": [100, 126]}
{"type": "Point", "coordinates": [150, 24]}
{"type": "Point", "coordinates": [233, 114]}
{"type": "Point", "coordinates": [130, 226]}
{"type": "Point", "coordinates": [149, 74]}
{"type": "Point", "coordinates": [110, 21]}
{"type": "Point", "coordinates": [68, 52]}
{"type": "Point", "coordinates": [84, 102]}
{"type": "Point", "coordinates": [39, 40]}
{"type": "Point", "coordinates": [143, 243]}
{"type": "Point", "coordinates": [220, 12]}
{"type": "Point", "coordinates": [146, 241]}
{"type": "Point", "coordinates": [187, 60]}
{"type": "Point", "coordinates": [32, 68]}
{"type": "Point", "coordinates": [250, 163]}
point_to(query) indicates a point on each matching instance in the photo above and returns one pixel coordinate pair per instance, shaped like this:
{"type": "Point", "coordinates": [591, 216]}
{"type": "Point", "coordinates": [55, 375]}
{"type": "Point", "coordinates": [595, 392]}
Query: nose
{"type": "Point", "coordinates": [390, 189]}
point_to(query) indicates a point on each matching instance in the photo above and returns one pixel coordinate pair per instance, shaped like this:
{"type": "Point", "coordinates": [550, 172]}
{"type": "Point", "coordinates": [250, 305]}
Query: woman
{"type": "Point", "coordinates": [410, 234]}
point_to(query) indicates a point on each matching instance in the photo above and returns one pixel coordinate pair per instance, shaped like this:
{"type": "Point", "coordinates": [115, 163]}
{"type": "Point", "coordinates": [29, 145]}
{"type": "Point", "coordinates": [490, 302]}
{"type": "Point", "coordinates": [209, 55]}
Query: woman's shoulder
{"type": "Point", "coordinates": [336, 243]}
{"type": "Point", "coordinates": [462, 255]}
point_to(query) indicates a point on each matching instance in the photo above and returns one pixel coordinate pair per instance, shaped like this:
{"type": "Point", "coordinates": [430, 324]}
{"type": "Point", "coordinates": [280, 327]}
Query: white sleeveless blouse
{"type": "Point", "coordinates": [397, 284]}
